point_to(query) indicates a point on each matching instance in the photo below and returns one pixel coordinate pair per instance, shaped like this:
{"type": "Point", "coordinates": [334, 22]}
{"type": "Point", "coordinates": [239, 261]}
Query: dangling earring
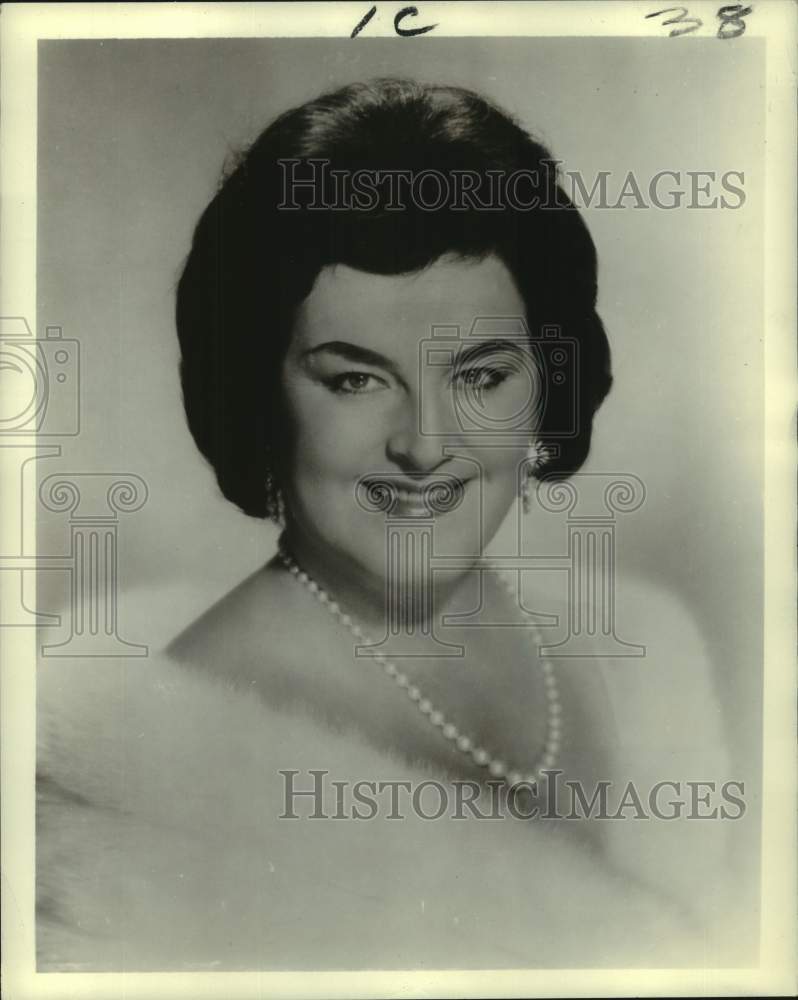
{"type": "Point", "coordinates": [275, 504]}
{"type": "Point", "coordinates": [536, 456]}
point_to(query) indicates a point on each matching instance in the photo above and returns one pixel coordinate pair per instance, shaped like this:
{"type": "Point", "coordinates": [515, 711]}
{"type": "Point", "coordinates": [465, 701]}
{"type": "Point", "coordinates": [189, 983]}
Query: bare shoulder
{"type": "Point", "coordinates": [659, 615]}
{"type": "Point", "coordinates": [670, 694]}
{"type": "Point", "coordinates": [673, 744]}
{"type": "Point", "coordinates": [259, 616]}
{"type": "Point", "coordinates": [673, 647]}
{"type": "Point", "coordinates": [645, 654]}
{"type": "Point", "coordinates": [639, 610]}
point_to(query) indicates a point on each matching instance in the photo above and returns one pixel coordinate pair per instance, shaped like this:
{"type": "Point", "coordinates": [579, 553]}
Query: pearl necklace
{"type": "Point", "coordinates": [494, 766]}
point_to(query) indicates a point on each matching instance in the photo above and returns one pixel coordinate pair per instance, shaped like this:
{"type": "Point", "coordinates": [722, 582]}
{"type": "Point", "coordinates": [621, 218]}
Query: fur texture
{"type": "Point", "coordinates": [160, 845]}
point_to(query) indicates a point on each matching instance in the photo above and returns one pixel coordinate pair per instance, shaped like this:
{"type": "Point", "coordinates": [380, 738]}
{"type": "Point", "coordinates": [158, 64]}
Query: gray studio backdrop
{"type": "Point", "coordinates": [132, 138]}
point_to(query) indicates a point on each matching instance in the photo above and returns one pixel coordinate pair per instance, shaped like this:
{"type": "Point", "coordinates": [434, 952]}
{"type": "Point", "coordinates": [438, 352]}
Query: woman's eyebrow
{"type": "Point", "coordinates": [467, 353]}
{"type": "Point", "coordinates": [491, 345]}
{"type": "Point", "coordinates": [352, 352]}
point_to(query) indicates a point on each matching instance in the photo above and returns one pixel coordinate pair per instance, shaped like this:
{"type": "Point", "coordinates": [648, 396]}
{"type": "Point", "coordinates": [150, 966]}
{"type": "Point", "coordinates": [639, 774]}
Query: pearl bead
{"type": "Point", "coordinates": [302, 577]}
{"type": "Point", "coordinates": [514, 778]}
{"type": "Point", "coordinates": [425, 706]}
{"type": "Point", "coordinates": [402, 681]}
{"type": "Point", "coordinates": [463, 743]}
{"type": "Point", "coordinates": [313, 587]}
{"type": "Point", "coordinates": [497, 768]}
{"type": "Point", "coordinates": [333, 608]}
{"type": "Point", "coordinates": [480, 757]}
{"type": "Point", "coordinates": [390, 669]}
{"type": "Point", "coordinates": [450, 731]}
{"type": "Point", "coordinates": [356, 631]}
{"type": "Point", "coordinates": [413, 693]}
{"type": "Point", "coordinates": [345, 620]}
{"type": "Point", "coordinates": [436, 718]}
{"type": "Point", "coordinates": [553, 746]}
{"type": "Point", "coordinates": [555, 708]}
{"type": "Point", "coordinates": [549, 760]}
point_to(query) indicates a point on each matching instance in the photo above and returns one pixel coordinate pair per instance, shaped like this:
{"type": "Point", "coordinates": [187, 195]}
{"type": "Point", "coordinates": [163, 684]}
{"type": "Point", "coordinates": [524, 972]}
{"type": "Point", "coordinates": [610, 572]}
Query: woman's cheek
{"type": "Point", "coordinates": [342, 439]}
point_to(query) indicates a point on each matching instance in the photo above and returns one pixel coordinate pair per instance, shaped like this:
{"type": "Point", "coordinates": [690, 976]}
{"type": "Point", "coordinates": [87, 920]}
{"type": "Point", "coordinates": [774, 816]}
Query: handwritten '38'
{"type": "Point", "coordinates": [731, 20]}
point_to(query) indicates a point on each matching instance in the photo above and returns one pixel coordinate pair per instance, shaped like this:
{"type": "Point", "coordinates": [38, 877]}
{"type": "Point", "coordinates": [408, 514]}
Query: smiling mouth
{"type": "Point", "coordinates": [437, 496]}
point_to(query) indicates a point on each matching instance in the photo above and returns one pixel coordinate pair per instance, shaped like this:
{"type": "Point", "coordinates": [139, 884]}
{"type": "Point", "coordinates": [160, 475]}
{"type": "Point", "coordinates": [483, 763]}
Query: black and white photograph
{"type": "Point", "coordinates": [398, 499]}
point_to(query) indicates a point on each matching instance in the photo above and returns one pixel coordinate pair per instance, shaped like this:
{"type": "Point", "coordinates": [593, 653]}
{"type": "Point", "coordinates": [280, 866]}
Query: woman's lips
{"type": "Point", "coordinates": [436, 496]}
{"type": "Point", "coordinates": [409, 496]}
{"type": "Point", "coordinates": [410, 501]}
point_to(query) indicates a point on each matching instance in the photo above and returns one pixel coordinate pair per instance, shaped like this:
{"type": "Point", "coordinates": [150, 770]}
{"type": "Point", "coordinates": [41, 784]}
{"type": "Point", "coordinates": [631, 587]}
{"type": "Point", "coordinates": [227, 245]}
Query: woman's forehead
{"type": "Point", "coordinates": [378, 311]}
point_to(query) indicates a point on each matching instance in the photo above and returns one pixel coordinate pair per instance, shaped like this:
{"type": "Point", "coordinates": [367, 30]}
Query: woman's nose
{"type": "Point", "coordinates": [416, 442]}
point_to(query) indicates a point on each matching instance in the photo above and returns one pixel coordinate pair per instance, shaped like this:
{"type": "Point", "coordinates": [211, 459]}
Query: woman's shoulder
{"type": "Point", "coordinates": [644, 647]}
{"type": "Point", "coordinates": [649, 672]}
{"type": "Point", "coordinates": [270, 639]}
{"type": "Point", "coordinates": [259, 607]}
{"type": "Point", "coordinates": [107, 726]}
{"type": "Point", "coordinates": [668, 695]}
{"type": "Point", "coordinates": [670, 757]}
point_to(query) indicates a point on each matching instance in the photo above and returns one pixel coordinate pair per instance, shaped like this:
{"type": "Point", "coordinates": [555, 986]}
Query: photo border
{"type": "Point", "coordinates": [22, 27]}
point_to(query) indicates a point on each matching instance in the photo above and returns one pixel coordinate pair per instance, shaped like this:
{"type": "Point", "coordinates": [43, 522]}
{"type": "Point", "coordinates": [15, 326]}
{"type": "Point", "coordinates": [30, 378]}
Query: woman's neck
{"type": "Point", "coordinates": [367, 596]}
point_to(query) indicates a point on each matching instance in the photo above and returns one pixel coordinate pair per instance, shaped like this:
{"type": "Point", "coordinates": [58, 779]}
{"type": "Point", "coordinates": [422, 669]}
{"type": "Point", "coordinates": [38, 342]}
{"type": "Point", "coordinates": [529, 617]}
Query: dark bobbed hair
{"type": "Point", "coordinates": [251, 263]}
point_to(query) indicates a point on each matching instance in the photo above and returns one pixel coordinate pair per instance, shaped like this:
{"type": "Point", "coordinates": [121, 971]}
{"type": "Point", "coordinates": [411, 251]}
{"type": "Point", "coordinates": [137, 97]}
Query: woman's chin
{"type": "Point", "coordinates": [375, 550]}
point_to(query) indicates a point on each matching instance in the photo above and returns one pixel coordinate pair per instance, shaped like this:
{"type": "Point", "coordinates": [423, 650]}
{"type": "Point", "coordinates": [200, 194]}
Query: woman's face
{"type": "Point", "coordinates": [371, 394]}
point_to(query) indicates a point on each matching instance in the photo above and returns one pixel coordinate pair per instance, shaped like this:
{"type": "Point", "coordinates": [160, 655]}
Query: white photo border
{"type": "Point", "coordinates": [23, 25]}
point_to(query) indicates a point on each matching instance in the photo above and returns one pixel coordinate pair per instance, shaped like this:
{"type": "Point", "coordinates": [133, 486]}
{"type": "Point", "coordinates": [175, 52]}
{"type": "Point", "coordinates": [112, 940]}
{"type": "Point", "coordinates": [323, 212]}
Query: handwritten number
{"type": "Point", "coordinates": [690, 23]}
{"type": "Point", "coordinates": [409, 32]}
{"type": "Point", "coordinates": [731, 20]}
{"type": "Point", "coordinates": [362, 24]}
{"type": "Point", "coordinates": [402, 32]}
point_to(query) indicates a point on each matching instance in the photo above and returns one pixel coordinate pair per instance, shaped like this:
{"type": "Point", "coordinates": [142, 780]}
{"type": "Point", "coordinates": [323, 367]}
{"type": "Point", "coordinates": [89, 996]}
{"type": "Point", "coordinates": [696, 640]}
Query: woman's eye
{"type": "Point", "coordinates": [355, 383]}
{"type": "Point", "coordinates": [481, 379]}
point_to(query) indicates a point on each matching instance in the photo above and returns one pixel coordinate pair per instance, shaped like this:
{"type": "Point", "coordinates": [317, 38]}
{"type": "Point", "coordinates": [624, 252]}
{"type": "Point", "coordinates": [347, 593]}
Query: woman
{"type": "Point", "coordinates": [362, 362]}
